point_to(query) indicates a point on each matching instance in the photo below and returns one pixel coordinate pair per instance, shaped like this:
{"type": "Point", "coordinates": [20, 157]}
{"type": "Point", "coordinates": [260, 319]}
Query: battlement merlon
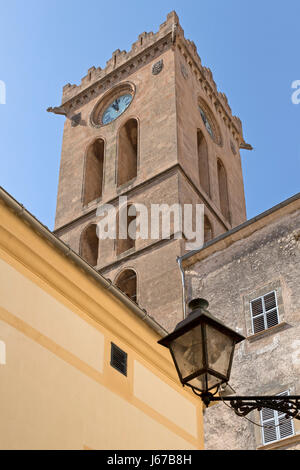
{"type": "Point", "coordinates": [171, 29]}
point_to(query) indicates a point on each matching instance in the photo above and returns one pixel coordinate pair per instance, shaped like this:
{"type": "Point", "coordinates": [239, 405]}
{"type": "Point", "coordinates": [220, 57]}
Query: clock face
{"type": "Point", "coordinates": [116, 108]}
{"type": "Point", "coordinates": [206, 123]}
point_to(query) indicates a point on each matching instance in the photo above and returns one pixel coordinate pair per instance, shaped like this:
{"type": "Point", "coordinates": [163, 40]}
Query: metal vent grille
{"type": "Point", "coordinates": [264, 312]}
{"type": "Point", "coordinates": [118, 359]}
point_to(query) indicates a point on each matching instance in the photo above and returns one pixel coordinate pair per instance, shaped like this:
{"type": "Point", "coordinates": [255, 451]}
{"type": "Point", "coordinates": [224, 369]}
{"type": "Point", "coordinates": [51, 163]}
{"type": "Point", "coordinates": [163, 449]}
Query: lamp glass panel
{"type": "Point", "coordinates": [205, 382]}
{"type": "Point", "coordinates": [188, 352]}
{"type": "Point", "coordinates": [219, 349]}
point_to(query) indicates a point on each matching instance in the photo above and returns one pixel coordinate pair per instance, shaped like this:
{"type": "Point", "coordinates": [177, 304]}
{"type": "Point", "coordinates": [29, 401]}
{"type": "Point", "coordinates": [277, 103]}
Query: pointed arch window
{"type": "Point", "coordinates": [89, 245]}
{"type": "Point", "coordinates": [203, 162]}
{"type": "Point", "coordinates": [127, 282]}
{"type": "Point", "coordinates": [93, 176]}
{"type": "Point", "coordinates": [223, 190]}
{"type": "Point", "coordinates": [127, 152]}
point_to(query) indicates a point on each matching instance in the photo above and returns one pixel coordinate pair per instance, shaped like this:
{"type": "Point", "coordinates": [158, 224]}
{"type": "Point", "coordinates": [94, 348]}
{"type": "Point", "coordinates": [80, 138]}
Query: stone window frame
{"type": "Point", "coordinates": [84, 182]}
{"type": "Point", "coordinates": [129, 268]}
{"type": "Point", "coordinates": [264, 314]}
{"type": "Point", "coordinates": [260, 292]}
{"type": "Point", "coordinates": [217, 139]}
{"type": "Point", "coordinates": [81, 243]}
{"type": "Point", "coordinates": [96, 114]}
{"type": "Point", "coordinates": [223, 178]}
{"type": "Point", "coordinates": [203, 161]}
{"type": "Point", "coordinates": [125, 186]}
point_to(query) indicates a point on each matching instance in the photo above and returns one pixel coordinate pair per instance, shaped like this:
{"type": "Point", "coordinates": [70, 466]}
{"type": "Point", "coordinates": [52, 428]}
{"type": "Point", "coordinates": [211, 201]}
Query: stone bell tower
{"type": "Point", "coordinates": [153, 127]}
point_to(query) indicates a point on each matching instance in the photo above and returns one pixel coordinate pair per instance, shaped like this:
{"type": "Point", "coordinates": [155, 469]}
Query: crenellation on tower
{"type": "Point", "coordinates": [118, 58]}
{"type": "Point", "coordinates": [122, 64]}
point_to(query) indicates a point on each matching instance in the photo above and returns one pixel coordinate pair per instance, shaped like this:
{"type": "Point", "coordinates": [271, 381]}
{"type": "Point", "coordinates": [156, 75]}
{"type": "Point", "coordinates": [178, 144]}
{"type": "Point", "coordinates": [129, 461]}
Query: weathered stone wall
{"type": "Point", "coordinates": [268, 362]}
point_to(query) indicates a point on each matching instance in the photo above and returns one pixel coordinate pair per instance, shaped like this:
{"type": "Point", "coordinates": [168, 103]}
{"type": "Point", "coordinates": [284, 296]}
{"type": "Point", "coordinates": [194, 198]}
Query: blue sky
{"type": "Point", "coordinates": [252, 48]}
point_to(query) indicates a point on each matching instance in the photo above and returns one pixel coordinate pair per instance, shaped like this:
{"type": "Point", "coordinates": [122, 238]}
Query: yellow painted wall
{"type": "Point", "coordinates": [57, 388]}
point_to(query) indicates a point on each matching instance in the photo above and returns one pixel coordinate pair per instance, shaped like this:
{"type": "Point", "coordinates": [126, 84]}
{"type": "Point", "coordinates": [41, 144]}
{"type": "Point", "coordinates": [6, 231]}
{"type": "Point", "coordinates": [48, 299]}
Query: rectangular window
{"type": "Point", "coordinates": [275, 425]}
{"type": "Point", "coordinates": [264, 312]}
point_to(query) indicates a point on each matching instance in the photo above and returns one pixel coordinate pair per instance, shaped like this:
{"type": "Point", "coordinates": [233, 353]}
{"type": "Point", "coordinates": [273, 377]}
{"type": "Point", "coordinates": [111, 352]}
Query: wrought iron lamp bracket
{"type": "Point", "coordinates": [289, 405]}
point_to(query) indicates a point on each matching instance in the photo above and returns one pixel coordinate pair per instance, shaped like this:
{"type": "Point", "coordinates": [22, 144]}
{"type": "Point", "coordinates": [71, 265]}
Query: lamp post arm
{"type": "Point", "coordinates": [243, 405]}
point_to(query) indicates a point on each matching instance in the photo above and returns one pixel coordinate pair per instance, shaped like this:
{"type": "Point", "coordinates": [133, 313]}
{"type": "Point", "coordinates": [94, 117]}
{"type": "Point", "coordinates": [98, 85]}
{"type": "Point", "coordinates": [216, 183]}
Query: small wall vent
{"type": "Point", "coordinates": [118, 359]}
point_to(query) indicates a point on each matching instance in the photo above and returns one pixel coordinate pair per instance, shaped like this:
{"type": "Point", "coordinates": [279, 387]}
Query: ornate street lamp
{"type": "Point", "coordinates": [202, 349]}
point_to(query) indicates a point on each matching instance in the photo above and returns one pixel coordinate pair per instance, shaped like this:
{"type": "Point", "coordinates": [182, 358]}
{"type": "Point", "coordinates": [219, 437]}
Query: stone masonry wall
{"type": "Point", "coordinates": [165, 104]}
{"type": "Point", "coordinates": [267, 362]}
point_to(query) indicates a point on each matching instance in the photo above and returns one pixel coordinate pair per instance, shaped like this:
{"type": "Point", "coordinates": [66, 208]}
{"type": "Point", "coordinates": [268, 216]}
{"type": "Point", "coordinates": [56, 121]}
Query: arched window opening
{"type": "Point", "coordinates": [208, 233]}
{"type": "Point", "coordinates": [89, 245]}
{"type": "Point", "coordinates": [126, 228]}
{"type": "Point", "coordinates": [127, 283]}
{"type": "Point", "coordinates": [203, 162]}
{"type": "Point", "coordinates": [93, 178]}
{"type": "Point", "coordinates": [223, 190]}
{"type": "Point", "coordinates": [127, 152]}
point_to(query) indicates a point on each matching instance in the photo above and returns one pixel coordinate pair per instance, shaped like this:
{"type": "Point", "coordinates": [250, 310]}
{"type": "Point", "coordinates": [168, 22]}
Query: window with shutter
{"type": "Point", "coordinates": [264, 312]}
{"type": "Point", "coordinates": [275, 425]}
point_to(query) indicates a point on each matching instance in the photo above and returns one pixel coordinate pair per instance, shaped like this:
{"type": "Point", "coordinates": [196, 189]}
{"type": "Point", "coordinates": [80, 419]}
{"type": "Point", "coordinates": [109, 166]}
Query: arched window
{"type": "Point", "coordinates": [126, 228]}
{"type": "Point", "coordinates": [127, 283]}
{"type": "Point", "coordinates": [93, 177]}
{"type": "Point", "coordinates": [127, 152]}
{"type": "Point", "coordinates": [203, 162]}
{"type": "Point", "coordinates": [223, 190]}
{"type": "Point", "coordinates": [89, 245]}
{"type": "Point", "coordinates": [208, 233]}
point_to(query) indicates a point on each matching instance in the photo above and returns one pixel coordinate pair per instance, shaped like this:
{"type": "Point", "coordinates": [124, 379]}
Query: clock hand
{"type": "Point", "coordinates": [115, 105]}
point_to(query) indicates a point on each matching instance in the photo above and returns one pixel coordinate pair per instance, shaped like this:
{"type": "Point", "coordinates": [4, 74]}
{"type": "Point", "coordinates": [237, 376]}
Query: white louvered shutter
{"type": "Point", "coordinates": [257, 311]}
{"type": "Point", "coordinates": [264, 312]}
{"type": "Point", "coordinates": [286, 425]}
{"type": "Point", "coordinates": [270, 304]}
{"type": "Point", "coordinates": [275, 425]}
{"type": "Point", "coordinates": [269, 425]}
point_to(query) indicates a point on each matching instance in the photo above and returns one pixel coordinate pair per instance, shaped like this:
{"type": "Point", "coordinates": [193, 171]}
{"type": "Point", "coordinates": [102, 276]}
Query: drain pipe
{"type": "Point", "coordinates": [179, 261]}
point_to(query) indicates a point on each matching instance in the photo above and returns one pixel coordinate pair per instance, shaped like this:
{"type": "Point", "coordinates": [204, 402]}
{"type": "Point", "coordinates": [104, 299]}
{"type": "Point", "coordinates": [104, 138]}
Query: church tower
{"type": "Point", "coordinates": [153, 127]}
